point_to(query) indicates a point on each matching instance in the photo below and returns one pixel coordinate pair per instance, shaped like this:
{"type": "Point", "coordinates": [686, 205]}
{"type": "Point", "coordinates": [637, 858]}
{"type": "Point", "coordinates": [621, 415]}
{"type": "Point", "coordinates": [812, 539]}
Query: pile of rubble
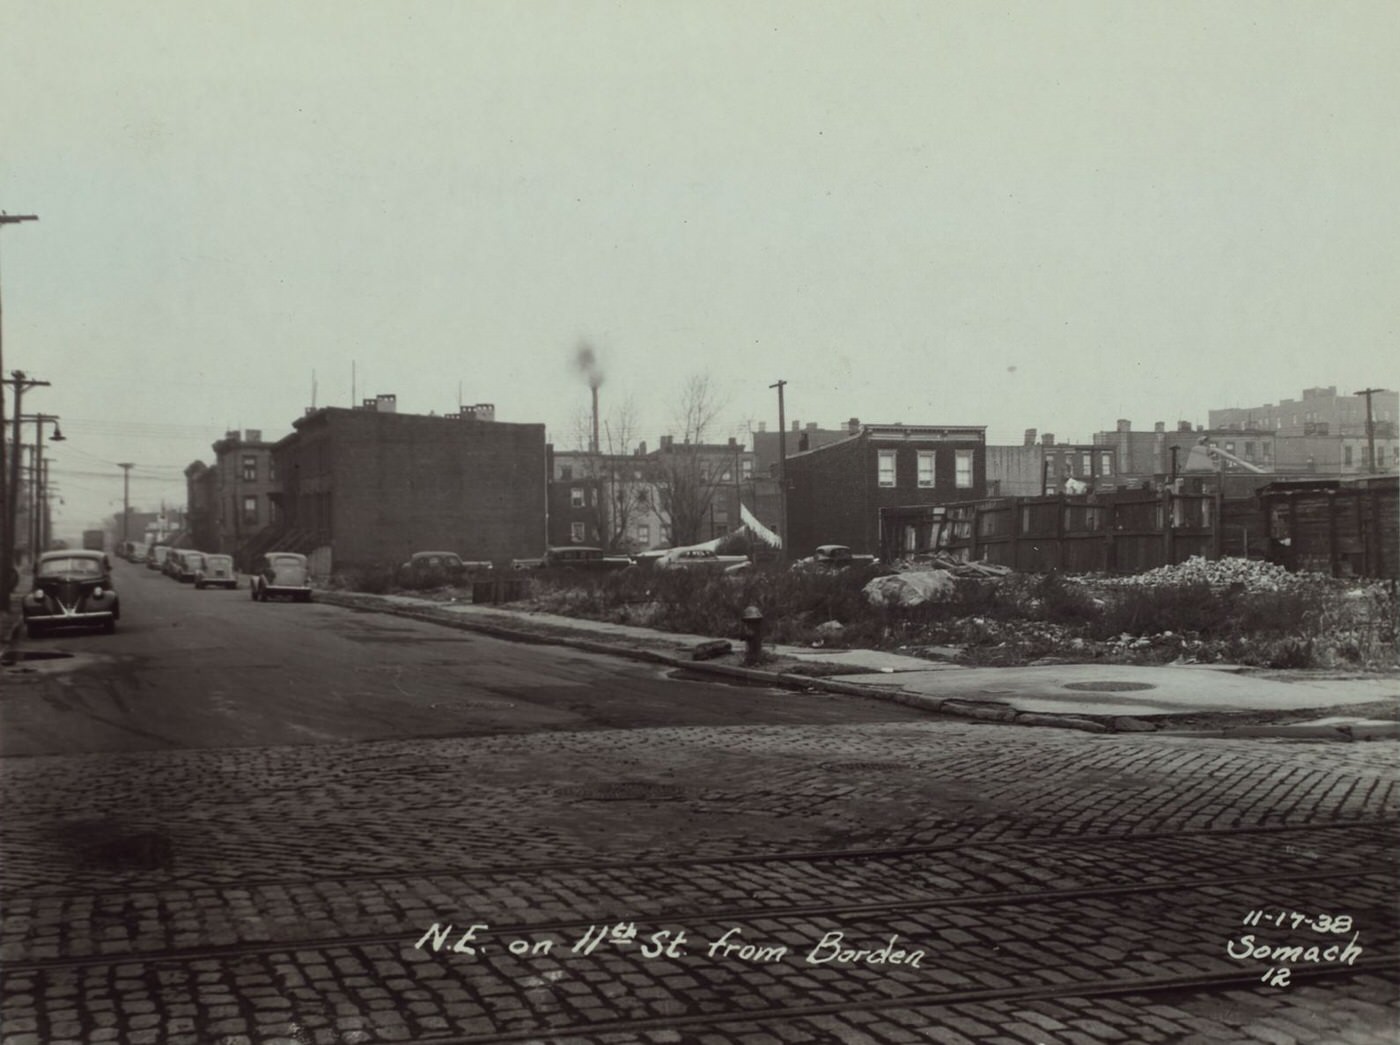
{"type": "Point", "coordinates": [1221, 574]}
{"type": "Point", "coordinates": [956, 567]}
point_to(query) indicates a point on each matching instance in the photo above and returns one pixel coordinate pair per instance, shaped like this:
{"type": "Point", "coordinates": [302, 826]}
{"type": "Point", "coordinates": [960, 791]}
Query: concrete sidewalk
{"type": "Point", "coordinates": [1096, 697]}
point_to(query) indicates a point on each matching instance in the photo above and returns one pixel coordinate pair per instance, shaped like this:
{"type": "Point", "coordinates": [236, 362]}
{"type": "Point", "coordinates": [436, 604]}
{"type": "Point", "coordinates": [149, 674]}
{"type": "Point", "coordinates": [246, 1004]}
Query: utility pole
{"type": "Point", "coordinates": [782, 472]}
{"type": "Point", "coordinates": [8, 496]}
{"type": "Point", "coordinates": [8, 574]}
{"type": "Point", "coordinates": [1370, 428]}
{"type": "Point", "coordinates": [126, 495]}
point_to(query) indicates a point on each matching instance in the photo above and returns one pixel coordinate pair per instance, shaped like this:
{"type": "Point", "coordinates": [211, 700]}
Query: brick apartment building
{"type": "Point", "coordinates": [1321, 411]}
{"type": "Point", "coordinates": [605, 500]}
{"type": "Point", "coordinates": [231, 502]}
{"type": "Point", "coordinates": [1035, 469]}
{"type": "Point", "coordinates": [375, 485]}
{"type": "Point", "coordinates": [836, 491]}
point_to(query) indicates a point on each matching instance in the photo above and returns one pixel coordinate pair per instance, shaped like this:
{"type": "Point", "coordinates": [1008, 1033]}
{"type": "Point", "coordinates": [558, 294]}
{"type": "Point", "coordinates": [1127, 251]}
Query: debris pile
{"type": "Point", "coordinates": [1221, 574]}
{"type": "Point", "coordinates": [913, 588]}
{"type": "Point", "coordinates": [956, 567]}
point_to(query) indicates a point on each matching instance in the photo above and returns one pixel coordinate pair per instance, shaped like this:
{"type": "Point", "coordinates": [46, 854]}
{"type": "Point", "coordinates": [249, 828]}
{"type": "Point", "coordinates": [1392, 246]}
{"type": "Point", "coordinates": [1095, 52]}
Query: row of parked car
{"type": "Point", "coordinates": [276, 574]}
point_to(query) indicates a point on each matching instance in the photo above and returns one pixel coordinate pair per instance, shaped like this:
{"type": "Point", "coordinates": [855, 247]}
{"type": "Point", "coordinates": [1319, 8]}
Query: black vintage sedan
{"type": "Point", "coordinates": [71, 589]}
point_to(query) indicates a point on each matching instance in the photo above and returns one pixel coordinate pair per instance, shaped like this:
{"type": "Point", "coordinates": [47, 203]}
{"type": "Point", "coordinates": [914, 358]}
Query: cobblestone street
{"type": "Point", "coordinates": [283, 894]}
{"type": "Point", "coordinates": [887, 878]}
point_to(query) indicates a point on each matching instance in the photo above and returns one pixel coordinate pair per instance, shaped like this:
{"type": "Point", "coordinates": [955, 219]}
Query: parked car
{"type": "Point", "coordinates": [156, 556]}
{"type": "Point", "coordinates": [185, 564]}
{"type": "Point", "coordinates": [698, 559]}
{"type": "Point", "coordinates": [71, 588]}
{"type": "Point", "coordinates": [281, 573]}
{"type": "Point", "coordinates": [426, 569]}
{"type": "Point", "coordinates": [575, 557]}
{"type": "Point", "coordinates": [216, 571]}
{"type": "Point", "coordinates": [834, 556]}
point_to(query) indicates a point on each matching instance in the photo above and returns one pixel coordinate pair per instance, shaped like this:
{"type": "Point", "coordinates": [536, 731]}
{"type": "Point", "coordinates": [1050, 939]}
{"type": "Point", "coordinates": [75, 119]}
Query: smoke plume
{"type": "Point", "coordinates": [586, 360]}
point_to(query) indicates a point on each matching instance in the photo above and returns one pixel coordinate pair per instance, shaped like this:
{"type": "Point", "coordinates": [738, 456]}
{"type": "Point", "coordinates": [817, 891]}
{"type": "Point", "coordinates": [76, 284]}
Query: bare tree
{"type": "Point", "coordinates": [686, 473]}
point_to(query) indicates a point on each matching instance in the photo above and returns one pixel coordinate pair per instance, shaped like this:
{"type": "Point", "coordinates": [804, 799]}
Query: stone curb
{"type": "Point", "coordinates": [972, 711]}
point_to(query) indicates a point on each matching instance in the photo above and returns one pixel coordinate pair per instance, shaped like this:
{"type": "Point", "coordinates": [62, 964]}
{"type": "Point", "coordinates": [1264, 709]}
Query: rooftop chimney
{"type": "Point", "coordinates": [1124, 425]}
{"type": "Point", "coordinates": [385, 404]}
{"type": "Point", "coordinates": [1183, 426]}
{"type": "Point", "coordinates": [811, 426]}
{"type": "Point", "coordinates": [253, 435]}
{"type": "Point", "coordinates": [853, 425]}
{"type": "Point", "coordinates": [763, 426]}
{"type": "Point", "coordinates": [1030, 437]}
{"type": "Point", "coordinates": [1048, 439]}
{"type": "Point", "coordinates": [231, 435]}
{"type": "Point", "coordinates": [797, 426]}
{"type": "Point", "coordinates": [1159, 426]}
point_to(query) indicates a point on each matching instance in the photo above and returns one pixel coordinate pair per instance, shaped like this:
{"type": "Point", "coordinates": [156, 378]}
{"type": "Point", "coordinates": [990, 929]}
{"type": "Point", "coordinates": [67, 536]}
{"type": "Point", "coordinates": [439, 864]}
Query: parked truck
{"type": "Point", "coordinates": [94, 540]}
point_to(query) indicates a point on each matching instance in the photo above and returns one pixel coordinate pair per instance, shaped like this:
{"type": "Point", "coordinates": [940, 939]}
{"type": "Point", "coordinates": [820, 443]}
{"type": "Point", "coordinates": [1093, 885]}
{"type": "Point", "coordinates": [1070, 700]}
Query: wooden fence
{"type": "Point", "coordinates": [1347, 531]}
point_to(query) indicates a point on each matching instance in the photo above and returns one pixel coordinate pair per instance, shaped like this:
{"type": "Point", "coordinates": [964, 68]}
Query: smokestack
{"type": "Point", "coordinates": [586, 362]}
{"type": "Point", "coordinates": [1029, 437]}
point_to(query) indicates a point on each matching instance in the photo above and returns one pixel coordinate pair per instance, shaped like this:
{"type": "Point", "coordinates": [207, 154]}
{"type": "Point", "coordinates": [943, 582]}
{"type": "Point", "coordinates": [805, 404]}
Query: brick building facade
{"type": "Point", "coordinates": [375, 485]}
{"type": "Point", "coordinates": [835, 492]}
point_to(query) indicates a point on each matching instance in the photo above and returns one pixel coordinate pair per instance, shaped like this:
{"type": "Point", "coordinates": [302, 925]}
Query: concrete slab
{"type": "Point", "coordinates": [870, 659]}
{"type": "Point", "coordinates": [1104, 689]}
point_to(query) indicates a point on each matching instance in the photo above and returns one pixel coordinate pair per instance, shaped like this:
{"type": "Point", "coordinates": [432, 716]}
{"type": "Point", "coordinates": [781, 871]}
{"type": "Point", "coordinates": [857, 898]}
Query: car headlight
{"type": "Point", "coordinates": [97, 592]}
{"type": "Point", "coordinates": [37, 595]}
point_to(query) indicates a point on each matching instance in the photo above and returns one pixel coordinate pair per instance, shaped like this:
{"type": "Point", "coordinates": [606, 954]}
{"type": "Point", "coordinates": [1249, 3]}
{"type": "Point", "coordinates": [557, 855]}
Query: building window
{"type": "Point", "coordinates": [577, 532]}
{"type": "Point", "coordinates": [1346, 455]}
{"type": "Point", "coordinates": [272, 469]}
{"type": "Point", "coordinates": [964, 469]}
{"type": "Point", "coordinates": [886, 467]}
{"type": "Point", "coordinates": [250, 510]}
{"type": "Point", "coordinates": [926, 468]}
{"type": "Point", "coordinates": [566, 471]}
{"type": "Point", "coordinates": [644, 533]}
{"type": "Point", "coordinates": [1249, 451]}
{"type": "Point", "coordinates": [250, 468]}
{"type": "Point", "coordinates": [576, 499]}
{"type": "Point", "coordinates": [1105, 464]}
{"type": "Point", "coordinates": [721, 517]}
{"type": "Point", "coordinates": [746, 467]}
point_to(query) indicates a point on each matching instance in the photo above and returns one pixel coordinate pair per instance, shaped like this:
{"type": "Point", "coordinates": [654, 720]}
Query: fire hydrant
{"type": "Point", "coordinates": [752, 625]}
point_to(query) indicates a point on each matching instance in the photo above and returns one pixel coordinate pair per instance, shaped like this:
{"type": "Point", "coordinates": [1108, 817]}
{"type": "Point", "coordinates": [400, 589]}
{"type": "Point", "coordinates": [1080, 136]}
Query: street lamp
{"type": "Point", "coordinates": [37, 483]}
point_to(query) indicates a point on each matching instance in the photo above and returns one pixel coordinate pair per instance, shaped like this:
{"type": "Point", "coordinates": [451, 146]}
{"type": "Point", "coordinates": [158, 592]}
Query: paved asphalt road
{"type": "Point", "coordinates": [212, 668]}
{"type": "Point", "coordinates": [245, 824]}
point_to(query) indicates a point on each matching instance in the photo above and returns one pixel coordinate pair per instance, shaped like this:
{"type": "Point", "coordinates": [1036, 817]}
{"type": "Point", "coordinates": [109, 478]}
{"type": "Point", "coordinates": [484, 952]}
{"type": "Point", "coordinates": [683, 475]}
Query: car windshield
{"type": "Point", "coordinates": [217, 560]}
{"type": "Point", "coordinates": [70, 566]}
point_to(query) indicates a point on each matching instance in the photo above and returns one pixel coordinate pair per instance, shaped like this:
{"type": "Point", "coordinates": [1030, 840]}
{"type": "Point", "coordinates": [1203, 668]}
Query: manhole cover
{"type": "Point", "coordinates": [861, 767]}
{"type": "Point", "coordinates": [1108, 687]}
{"type": "Point", "coordinates": [624, 791]}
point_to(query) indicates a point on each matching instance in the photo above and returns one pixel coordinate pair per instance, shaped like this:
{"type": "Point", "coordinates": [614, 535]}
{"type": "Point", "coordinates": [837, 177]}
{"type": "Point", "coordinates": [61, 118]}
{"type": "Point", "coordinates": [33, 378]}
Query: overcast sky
{"type": "Point", "coordinates": [1045, 215]}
